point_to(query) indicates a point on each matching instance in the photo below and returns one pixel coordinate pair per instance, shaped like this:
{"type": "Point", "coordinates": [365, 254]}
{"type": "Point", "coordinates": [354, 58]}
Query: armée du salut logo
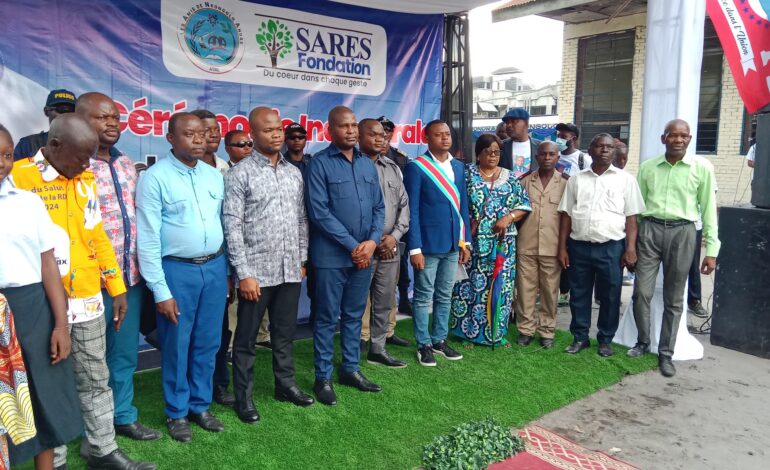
{"type": "Point", "coordinates": [257, 44]}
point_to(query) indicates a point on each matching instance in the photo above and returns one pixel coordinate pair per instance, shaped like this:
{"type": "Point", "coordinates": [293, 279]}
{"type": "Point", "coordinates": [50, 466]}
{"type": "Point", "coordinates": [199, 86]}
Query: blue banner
{"type": "Point", "coordinates": [159, 57]}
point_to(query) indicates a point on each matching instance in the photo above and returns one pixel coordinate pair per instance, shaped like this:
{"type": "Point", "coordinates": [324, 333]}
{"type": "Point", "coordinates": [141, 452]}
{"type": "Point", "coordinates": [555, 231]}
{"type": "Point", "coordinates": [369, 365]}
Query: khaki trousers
{"type": "Point", "coordinates": [533, 272]}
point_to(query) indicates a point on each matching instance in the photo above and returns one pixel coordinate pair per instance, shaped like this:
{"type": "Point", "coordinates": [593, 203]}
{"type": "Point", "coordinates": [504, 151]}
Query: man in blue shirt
{"type": "Point", "coordinates": [181, 256]}
{"type": "Point", "coordinates": [347, 212]}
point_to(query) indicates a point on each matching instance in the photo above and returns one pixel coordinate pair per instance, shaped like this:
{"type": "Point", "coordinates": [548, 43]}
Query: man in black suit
{"type": "Point", "coordinates": [518, 143]}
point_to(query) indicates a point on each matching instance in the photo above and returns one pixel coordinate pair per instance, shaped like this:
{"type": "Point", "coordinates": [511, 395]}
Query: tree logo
{"type": "Point", "coordinates": [274, 39]}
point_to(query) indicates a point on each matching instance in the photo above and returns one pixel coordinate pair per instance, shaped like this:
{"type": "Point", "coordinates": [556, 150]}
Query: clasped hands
{"type": "Point", "coordinates": [362, 254]}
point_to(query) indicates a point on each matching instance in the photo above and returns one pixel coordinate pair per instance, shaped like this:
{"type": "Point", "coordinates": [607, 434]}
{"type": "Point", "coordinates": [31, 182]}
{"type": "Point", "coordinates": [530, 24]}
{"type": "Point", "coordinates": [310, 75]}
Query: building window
{"type": "Point", "coordinates": [537, 110]}
{"type": "Point", "coordinates": [603, 89]}
{"type": "Point", "coordinates": [710, 91]}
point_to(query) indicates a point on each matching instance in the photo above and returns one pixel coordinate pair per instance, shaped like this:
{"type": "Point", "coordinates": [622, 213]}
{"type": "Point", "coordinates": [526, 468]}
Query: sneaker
{"type": "Point", "coordinates": [698, 310]}
{"type": "Point", "coordinates": [443, 349]}
{"type": "Point", "coordinates": [564, 300]}
{"type": "Point", "coordinates": [638, 350]}
{"type": "Point", "coordinates": [425, 356]}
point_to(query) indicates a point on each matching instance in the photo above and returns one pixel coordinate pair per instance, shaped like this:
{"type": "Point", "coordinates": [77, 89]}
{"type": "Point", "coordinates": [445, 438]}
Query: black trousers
{"type": "Point", "coordinates": [281, 303]}
{"type": "Point", "coordinates": [693, 279]}
{"type": "Point", "coordinates": [595, 265]}
{"type": "Point", "coordinates": [221, 372]}
{"type": "Point", "coordinates": [403, 274]}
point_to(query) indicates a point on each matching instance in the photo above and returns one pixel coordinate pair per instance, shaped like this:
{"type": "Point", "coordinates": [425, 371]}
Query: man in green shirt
{"type": "Point", "coordinates": [677, 188]}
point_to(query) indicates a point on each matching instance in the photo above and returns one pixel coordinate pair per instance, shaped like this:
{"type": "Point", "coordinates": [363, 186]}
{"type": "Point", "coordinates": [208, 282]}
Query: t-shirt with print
{"type": "Point", "coordinates": [569, 164]}
{"type": "Point", "coordinates": [521, 157]}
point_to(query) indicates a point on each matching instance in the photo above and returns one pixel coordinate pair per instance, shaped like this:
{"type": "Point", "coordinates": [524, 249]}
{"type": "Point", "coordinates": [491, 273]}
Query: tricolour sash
{"type": "Point", "coordinates": [445, 185]}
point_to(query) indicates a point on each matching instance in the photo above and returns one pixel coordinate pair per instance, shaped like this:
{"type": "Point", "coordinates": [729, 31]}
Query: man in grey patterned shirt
{"type": "Point", "coordinates": [267, 235]}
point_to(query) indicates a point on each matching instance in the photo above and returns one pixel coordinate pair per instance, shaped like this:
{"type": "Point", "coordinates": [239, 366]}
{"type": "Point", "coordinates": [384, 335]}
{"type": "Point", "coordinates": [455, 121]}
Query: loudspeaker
{"type": "Point", "coordinates": [741, 311]}
{"type": "Point", "coordinates": [760, 185]}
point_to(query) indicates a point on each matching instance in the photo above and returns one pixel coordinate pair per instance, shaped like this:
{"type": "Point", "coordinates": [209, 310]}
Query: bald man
{"type": "Point", "coordinates": [267, 236]}
{"type": "Point", "coordinates": [347, 212]}
{"type": "Point", "coordinates": [181, 257]}
{"type": "Point", "coordinates": [116, 180]}
{"type": "Point", "coordinates": [60, 174]}
{"type": "Point", "coordinates": [677, 188]}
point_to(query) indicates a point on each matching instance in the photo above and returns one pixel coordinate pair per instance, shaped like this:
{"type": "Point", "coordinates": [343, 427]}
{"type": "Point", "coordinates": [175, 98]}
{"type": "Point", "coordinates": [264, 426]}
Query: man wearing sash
{"type": "Point", "coordinates": [438, 238]}
{"type": "Point", "coordinates": [347, 212]}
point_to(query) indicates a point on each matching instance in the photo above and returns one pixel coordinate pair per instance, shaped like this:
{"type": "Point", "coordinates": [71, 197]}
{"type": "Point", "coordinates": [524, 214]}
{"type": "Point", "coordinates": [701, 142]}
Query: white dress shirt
{"type": "Point", "coordinates": [25, 232]}
{"type": "Point", "coordinates": [599, 204]}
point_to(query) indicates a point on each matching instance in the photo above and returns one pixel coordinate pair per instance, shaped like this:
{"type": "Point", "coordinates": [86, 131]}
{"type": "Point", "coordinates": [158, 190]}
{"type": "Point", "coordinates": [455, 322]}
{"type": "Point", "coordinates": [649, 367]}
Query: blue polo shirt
{"type": "Point", "coordinates": [345, 206]}
{"type": "Point", "coordinates": [178, 213]}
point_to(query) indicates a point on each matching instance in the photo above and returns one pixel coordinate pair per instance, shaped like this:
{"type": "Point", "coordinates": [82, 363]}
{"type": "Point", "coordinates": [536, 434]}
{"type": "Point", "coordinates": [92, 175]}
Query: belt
{"type": "Point", "coordinates": [199, 259]}
{"type": "Point", "coordinates": [669, 223]}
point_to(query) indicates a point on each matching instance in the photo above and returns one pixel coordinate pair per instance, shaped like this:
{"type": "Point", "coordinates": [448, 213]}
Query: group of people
{"type": "Point", "coordinates": [91, 239]}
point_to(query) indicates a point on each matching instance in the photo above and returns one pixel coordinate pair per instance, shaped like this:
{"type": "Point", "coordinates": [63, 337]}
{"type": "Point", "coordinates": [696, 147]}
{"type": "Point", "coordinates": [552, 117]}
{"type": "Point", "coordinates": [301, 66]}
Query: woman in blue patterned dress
{"type": "Point", "coordinates": [497, 200]}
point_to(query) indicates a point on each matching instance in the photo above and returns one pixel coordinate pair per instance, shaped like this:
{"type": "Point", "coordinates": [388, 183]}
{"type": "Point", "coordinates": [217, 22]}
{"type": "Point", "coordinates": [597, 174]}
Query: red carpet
{"type": "Point", "coordinates": [548, 451]}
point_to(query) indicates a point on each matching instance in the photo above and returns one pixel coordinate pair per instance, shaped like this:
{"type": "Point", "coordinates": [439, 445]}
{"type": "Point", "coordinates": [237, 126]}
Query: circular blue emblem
{"type": "Point", "coordinates": [212, 38]}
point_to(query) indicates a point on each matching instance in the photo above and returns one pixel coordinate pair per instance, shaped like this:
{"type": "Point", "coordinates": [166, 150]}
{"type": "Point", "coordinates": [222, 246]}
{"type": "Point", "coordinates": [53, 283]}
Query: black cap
{"type": "Point", "coordinates": [569, 128]}
{"type": "Point", "coordinates": [294, 128]}
{"type": "Point", "coordinates": [61, 96]}
{"type": "Point", "coordinates": [387, 124]}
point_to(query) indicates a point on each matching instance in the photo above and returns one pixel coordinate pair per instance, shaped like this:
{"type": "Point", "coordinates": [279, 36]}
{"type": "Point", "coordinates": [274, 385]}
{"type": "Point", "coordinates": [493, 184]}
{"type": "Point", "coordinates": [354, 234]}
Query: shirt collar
{"type": "Point", "coordinates": [7, 187]}
{"type": "Point", "coordinates": [427, 152]}
{"type": "Point", "coordinates": [262, 160]}
{"type": "Point", "coordinates": [181, 167]}
{"type": "Point", "coordinates": [687, 159]}
{"type": "Point", "coordinates": [611, 169]}
{"type": "Point", "coordinates": [47, 171]}
{"type": "Point", "coordinates": [334, 150]}
{"type": "Point", "coordinates": [114, 155]}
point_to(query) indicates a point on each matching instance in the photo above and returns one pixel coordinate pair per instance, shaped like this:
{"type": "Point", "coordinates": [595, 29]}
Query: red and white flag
{"type": "Point", "coordinates": [743, 27]}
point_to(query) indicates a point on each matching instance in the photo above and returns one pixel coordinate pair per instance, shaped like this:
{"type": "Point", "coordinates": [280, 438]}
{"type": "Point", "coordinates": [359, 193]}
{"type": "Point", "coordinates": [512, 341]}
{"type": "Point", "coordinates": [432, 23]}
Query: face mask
{"type": "Point", "coordinates": [562, 144]}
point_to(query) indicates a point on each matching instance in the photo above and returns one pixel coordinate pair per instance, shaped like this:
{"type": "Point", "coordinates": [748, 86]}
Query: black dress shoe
{"type": "Point", "coordinates": [117, 460]}
{"type": "Point", "coordinates": [247, 412]}
{"type": "Point", "coordinates": [524, 340]}
{"type": "Point", "coordinates": [61, 467]}
{"type": "Point", "coordinates": [640, 349]}
{"type": "Point", "coordinates": [294, 395]}
{"type": "Point", "coordinates": [137, 431]}
{"type": "Point", "coordinates": [179, 429]}
{"type": "Point", "coordinates": [666, 366]}
{"type": "Point", "coordinates": [546, 343]}
{"type": "Point", "coordinates": [207, 421]}
{"type": "Point", "coordinates": [577, 346]}
{"type": "Point", "coordinates": [324, 391]}
{"type": "Point", "coordinates": [385, 359]}
{"type": "Point", "coordinates": [222, 396]}
{"type": "Point", "coordinates": [397, 341]}
{"type": "Point", "coordinates": [605, 350]}
{"type": "Point", "coordinates": [357, 380]}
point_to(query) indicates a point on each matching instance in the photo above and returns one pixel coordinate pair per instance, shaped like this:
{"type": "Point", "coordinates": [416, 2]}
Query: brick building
{"type": "Point", "coordinates": [603, 77]}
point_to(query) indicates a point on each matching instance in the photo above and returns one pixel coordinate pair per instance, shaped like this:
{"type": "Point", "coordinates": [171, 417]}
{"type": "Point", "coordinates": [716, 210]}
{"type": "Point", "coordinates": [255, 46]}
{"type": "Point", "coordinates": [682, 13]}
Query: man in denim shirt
{"type": "Point", "coordinates": [347, 211]}
{"type": "Point", "coordinates": [181, 256]}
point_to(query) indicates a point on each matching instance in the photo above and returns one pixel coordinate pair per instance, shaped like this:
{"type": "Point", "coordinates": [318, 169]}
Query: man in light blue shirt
{"type": "Point", "coordinates": [181, 256]}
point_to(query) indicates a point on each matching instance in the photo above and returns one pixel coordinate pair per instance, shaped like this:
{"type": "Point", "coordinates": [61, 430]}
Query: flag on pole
{"type": "Point", "coordinates": [744, 31]}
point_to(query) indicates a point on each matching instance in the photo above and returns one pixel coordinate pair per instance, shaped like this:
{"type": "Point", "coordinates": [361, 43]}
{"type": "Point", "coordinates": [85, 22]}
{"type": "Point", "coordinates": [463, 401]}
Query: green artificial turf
{"type": "Point", "coordinates": [385, 430]}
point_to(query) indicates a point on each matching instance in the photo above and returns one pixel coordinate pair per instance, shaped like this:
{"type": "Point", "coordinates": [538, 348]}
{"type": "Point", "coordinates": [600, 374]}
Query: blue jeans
{"type": "Point", "coordinates": [599, 263]}
{"type": "Point", "coordinates": [340, 296]}
{"type": "Point", "coordinates": [433, 285]}
{"type": "Point", "coordinates": [122, 353]}
{"type": "Point", "coordinates": [188, 349]}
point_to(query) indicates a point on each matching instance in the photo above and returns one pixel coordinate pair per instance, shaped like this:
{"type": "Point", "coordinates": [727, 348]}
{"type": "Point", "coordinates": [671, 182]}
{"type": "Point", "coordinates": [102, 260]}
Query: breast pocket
{"type": "Point", "coordinates": [393, 190]}
{"type": "Point", "coordinates": [342, 188]}
{"type": "Point", "coordinates": [177, 207]}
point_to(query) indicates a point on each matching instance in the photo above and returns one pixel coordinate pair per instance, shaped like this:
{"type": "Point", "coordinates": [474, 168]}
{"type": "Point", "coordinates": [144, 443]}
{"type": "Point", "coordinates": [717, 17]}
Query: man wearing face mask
{"type": "Point", "coordinates": [571, 160]}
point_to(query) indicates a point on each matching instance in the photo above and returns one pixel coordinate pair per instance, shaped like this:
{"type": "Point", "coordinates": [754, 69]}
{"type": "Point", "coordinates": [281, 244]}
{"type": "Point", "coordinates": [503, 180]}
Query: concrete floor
{"type": "Point", "coordinates": [714, 414]}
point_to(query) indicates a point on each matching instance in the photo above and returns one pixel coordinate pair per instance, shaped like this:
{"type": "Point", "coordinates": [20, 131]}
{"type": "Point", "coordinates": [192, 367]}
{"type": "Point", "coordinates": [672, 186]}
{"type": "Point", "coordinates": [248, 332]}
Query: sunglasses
{"type": "Point", "coordinates": [243, 144]}
{"type": "Point", "coordinates": [62, 109]}
{"type": "Point", "coordinates": [296, 137]}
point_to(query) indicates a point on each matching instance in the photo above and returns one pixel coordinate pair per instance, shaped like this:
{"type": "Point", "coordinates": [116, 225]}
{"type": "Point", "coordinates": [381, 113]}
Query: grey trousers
{"type": "Point", "coordinates": [674, 247]}
{"type": "Point", "coordinates": [89, 346]}
{"type": "Point", "coordinates": [383, 297]}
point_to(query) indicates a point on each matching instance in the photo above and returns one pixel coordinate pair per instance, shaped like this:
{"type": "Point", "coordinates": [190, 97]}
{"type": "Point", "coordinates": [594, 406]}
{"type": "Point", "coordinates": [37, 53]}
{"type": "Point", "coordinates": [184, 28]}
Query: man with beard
{"type": "Point", "coordinates": [347, 211]}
